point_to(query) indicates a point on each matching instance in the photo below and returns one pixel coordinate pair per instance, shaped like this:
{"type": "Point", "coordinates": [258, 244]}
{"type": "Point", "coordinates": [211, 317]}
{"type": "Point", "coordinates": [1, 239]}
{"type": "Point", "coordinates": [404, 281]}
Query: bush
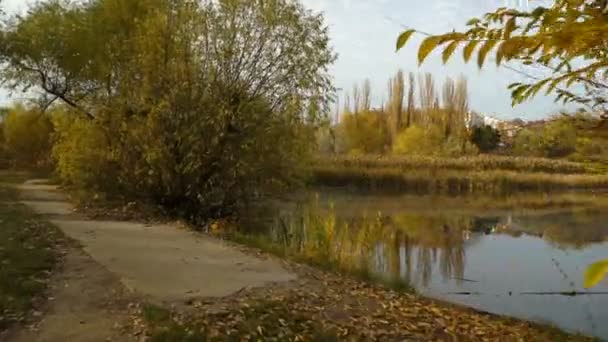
{"type": "Point", "coordinates": [27, 138]}
{"type": "Point", "coordinates": [455, 147]}
{"type": "Point", "coordinates": [364, 133]}
{"type": "Point", "coordinates": [418, 141]}
{"type": "Point", "coordinates": [528, 143]}
{"type": "Point", "coordinates": [82, 154]}
{"type": "Point", "coordinates": [556, 139]}
{"type": "Point", "coordinates": [166, 118]}
{"type": "Point", "coordinates": [486, 138]}
{"type": "Point", "coordinates": [559, 139]}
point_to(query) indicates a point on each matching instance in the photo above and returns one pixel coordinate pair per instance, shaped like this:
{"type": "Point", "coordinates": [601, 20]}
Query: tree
{"type": "Point", "coordinates": [365, 132]}
{"type": "Point", "coordinates": [411, 105]}
{"type": "Point", "coordinates": [567, 39]}
{"type": "Point", "coordinates": [191, 96]}
{"type": "Point", "coordinates": [418, 141]}
{"type": "Point", "coordinates": [396, 91]}
{"type": "Point", "coordinates": [366, 96]}
{"type": "Point", "coordinates": [486, 138]}
{"type": "Point", "coordinates": [26, 137]}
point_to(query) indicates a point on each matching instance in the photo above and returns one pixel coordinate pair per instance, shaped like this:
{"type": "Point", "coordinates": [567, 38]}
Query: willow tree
{"type": "Point", "coordinates": [191, 97]}
{"type": "Point", "coordinates": [568, 40]}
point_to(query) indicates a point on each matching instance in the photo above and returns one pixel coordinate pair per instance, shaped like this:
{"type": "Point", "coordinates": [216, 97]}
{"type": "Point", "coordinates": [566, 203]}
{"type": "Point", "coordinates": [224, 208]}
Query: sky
{"type": "Point", "coordinates": [364, 32]}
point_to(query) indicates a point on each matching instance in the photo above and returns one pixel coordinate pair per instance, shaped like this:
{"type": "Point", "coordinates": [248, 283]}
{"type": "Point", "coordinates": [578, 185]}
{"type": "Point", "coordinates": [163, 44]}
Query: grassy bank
{"type": "Point", "coordinates": [28, 254]}
{"type": "Point", "coordinates": [472, 163]}
{"type": "Point", "coordinates": [475, 175]}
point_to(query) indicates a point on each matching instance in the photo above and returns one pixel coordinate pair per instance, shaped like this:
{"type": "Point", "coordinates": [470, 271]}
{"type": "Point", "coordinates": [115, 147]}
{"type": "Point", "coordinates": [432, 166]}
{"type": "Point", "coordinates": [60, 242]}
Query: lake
{"type": "Point", "coordinates": [521, 256]}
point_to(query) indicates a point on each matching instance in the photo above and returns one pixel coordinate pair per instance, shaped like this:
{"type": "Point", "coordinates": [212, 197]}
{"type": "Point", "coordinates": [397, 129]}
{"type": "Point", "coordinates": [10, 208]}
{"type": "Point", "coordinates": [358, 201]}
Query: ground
{"type": "Point", "coordinates": [161, 282]}
{"type": "Point", "coordinates": [87, 304]}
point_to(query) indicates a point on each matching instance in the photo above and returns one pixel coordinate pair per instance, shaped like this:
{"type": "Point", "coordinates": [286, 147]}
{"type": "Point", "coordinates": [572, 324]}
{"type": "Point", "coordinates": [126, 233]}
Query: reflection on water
{"type": "Point", "coordinates": [489, 259]}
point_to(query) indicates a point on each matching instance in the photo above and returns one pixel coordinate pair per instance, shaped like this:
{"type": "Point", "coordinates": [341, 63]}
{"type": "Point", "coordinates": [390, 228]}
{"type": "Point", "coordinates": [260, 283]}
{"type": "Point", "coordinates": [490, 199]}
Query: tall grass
{"type": "Point", "coordinates": [455, 182]}
{"type": "Point", "coordinates": [471, 163]}
{"type": "Point", "coordinates": [454, 176]}
{"type": "Point", "coordinates": [315, 236]}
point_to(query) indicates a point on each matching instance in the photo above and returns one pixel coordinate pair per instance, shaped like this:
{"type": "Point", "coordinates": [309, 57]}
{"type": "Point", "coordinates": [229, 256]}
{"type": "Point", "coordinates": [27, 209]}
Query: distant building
{"type": "Point", "coordinates": [507, 129]}
{"type": "Point", "coordinates": [474, 119]}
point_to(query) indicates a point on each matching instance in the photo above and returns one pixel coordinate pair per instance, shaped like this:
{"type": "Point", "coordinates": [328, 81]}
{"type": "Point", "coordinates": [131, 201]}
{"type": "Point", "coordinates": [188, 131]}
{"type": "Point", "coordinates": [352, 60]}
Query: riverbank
{"type": "Point", "coordinates": [325, 306]}
{"type": "Point", "coordinates": [322, 304]}
{"type": "Point", "coordinates": [459, 176]}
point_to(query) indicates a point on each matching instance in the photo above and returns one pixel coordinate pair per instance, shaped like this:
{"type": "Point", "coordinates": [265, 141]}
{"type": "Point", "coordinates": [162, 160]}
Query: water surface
{"type": "Point", "coordinates": [520, 256]}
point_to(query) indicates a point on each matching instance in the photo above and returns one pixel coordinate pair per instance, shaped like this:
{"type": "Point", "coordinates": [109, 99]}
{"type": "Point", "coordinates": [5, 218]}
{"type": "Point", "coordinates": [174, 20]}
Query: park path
{"type": "Point", "coordinates": [159, 262]}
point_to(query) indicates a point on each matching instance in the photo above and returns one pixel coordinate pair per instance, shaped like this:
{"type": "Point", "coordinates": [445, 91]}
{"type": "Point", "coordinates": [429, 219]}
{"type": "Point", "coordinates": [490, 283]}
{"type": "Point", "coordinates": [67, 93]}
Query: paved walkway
{"type": "Point", "coordinates": [163, 263]}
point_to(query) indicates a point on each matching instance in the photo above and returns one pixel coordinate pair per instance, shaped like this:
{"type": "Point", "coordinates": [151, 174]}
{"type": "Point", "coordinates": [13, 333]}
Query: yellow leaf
{"type": "Point", "coordinates": [595, 273]}
{"type": "Point", "coordinates": [483, 52]}
{"type": "Point", "coordinates": [403, 38]}
{"type": "Point", "coordinates": [468, 50]}
{"type": "Point", "coordinates": [509, 28]}
{"type": "Point", "coordinates": [427, 46]}
{"type": "Point", "coordinates": [449, 51]}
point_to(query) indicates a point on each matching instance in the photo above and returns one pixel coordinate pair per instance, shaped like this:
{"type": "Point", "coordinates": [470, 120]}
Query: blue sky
{"type": "Point", "coordinates": [363, 34]}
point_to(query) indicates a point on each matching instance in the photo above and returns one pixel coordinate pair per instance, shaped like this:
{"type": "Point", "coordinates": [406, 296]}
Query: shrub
{"type": "Point", "coordinates": [82, 154]}
{"type": "Point", "coordinates": [416, 140]}
{"type": "Point", "coordinates": [528, 143]}
{"type": "Point", "coordinates": [556, 139]}
{"type": "Point", "coordinates": [456, 147]}
{"type": "Point", "coordinates": [486, 138]}
{"type": "Point", "coordinates": [27, 138]}
{"type": "Point", "coordinates": [364, 133]}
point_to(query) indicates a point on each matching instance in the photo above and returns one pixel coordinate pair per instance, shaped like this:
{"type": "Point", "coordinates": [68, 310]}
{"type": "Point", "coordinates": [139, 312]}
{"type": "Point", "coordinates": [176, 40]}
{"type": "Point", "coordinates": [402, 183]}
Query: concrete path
{"type": "Point", "coordinates": [161, 262]}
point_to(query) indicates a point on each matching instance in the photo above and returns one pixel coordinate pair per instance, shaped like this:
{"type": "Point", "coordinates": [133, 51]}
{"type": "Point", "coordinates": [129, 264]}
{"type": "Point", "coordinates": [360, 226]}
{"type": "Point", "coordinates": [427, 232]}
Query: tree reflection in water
{"type": "Point", "coordinates": [412, 247]}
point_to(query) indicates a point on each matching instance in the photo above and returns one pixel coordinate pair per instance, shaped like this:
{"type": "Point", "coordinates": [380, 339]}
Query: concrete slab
{"type": "Point", "coordinates": [161, 262]}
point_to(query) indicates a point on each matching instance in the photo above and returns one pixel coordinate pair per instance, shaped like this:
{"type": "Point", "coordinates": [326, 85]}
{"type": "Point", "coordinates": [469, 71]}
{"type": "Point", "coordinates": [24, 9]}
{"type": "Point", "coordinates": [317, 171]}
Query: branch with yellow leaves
{"type": "Point", "coordinates": [567, 33]}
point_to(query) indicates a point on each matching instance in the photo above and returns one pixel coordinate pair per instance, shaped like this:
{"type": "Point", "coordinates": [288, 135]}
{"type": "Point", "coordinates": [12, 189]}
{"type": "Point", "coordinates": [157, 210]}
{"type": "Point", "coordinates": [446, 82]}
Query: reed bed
{"type": "Point", "coordinates": [473, 163]}
{"type": "Point", "coordinates": [453, 182]}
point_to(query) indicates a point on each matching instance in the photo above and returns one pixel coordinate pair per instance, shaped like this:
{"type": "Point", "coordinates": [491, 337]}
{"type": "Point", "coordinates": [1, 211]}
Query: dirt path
{"type": "Point", "coordinates": [161, 264]}
{"type": "Point", "coordinates": [87, 304]}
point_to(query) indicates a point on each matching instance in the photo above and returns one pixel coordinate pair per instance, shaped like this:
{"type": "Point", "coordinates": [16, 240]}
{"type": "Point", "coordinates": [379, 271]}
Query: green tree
{"type": "Point", "coordinates": [201, 105]}
{"type": "Point", "coordinates": [555, 139]}
{"type": "Point", "coordinates": [528, 142]}
{"type": "Point", "coordinates": [559, 139]}
{"type": "Point", "coordinates": [486, 138]}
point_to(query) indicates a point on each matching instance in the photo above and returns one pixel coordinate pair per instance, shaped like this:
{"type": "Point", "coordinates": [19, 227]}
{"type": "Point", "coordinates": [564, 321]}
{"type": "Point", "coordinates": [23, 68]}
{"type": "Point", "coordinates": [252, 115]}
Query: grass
{"type": "Point", "coordinates": [261, 320]}
{"type": "Point", "coordinates": [472, 175]}
{"type": "Point", "coordinates": [163, 328]}
{"type": "Point", "coordinates": [27, 255]}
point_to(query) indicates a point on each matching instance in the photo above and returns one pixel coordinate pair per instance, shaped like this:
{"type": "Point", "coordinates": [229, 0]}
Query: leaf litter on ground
{"type": "Point", "coordinates": [324, 306]}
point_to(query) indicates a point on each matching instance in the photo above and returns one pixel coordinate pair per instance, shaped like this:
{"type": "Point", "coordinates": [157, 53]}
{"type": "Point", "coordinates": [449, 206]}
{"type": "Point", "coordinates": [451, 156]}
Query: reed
{"type": "Point", "coordinates": [453, 181]}
{"type": "Point", "coordinates": [471, 163]}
